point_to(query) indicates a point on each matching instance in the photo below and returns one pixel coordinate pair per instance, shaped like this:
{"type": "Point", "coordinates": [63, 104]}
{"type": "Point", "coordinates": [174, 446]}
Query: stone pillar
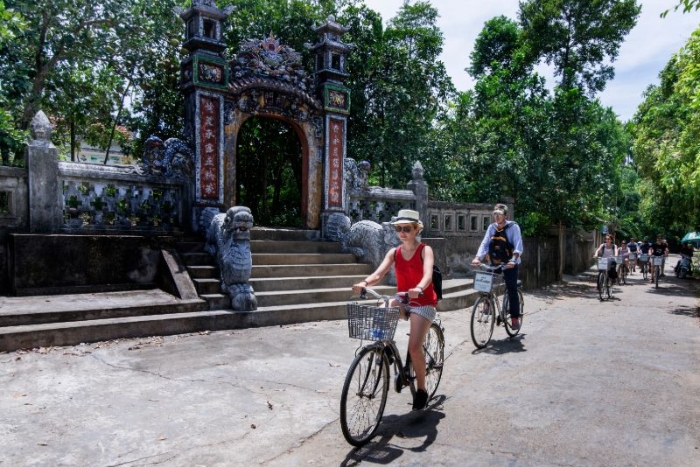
{"type": "Point", "coordinates": [45, 210]}
{"type": "Point", "coordinates": [419, 187]}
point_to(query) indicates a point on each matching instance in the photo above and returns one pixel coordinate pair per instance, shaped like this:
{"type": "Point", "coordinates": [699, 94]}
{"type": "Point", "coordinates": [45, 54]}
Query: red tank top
{"type": "Point", "coordinates": [410, 272]}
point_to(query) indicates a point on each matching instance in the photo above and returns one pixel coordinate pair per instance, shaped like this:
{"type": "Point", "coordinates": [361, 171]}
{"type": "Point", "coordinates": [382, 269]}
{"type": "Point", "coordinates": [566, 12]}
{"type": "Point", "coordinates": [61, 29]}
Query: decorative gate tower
{"type": "Point", "coordinates": [331, 58]}
{"type": "Point", "coordinates": [265, 79]}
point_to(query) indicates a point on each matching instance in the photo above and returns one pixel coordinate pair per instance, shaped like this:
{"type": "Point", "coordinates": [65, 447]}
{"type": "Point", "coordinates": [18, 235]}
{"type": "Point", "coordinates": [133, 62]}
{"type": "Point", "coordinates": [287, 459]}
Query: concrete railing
{"type": "Point", "coordinates": [117, 198]}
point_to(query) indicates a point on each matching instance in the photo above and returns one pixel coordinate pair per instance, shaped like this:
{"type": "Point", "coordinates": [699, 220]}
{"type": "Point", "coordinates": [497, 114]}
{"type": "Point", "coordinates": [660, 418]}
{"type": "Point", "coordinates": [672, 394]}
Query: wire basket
{"type": "Point", "coordinates": [484, 281]}
{"type": "Point", "coordinates": [375, 323]}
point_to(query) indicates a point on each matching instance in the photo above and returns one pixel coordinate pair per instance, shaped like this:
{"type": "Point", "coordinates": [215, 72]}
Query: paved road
{"type": "Point", "coordinates": [587, 384]}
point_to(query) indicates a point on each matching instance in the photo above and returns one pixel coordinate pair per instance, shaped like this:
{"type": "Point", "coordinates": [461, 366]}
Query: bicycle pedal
{"type": "Point", "coordinates": [398, 383]}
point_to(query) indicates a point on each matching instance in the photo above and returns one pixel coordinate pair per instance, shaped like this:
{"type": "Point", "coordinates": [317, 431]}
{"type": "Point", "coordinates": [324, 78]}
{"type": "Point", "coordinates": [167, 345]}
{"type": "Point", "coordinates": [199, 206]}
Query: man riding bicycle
{"type": "Point", "coordinates": [503, 243]}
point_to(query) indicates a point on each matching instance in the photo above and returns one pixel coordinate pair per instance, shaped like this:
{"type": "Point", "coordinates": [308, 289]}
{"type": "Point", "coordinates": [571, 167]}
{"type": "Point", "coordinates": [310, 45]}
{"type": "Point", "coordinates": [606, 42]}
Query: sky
{"type": "Point", "coordinates": [645, 52]}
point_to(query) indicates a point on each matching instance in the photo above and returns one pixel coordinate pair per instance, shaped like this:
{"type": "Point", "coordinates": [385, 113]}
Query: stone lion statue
{"type": "Point", "coordinates": [228, 240]}
{"type": "Point", "coordinates": [369, 242]}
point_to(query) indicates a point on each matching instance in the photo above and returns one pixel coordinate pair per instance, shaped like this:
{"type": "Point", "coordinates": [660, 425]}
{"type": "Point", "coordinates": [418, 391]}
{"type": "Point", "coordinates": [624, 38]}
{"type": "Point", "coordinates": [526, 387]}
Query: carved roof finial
{"type": "Point", "coordinates": [40, 127]}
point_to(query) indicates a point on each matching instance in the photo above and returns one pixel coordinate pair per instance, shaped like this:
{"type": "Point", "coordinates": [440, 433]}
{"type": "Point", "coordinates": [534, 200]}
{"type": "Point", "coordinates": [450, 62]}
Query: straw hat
{"type": "Point", "coordinates": [407, 216]}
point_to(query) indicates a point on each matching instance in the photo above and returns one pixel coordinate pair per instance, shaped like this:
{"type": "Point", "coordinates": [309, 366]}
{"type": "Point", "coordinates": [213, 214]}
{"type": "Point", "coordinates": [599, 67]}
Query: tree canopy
{"type": "Point", "coordinates": [552, 148]}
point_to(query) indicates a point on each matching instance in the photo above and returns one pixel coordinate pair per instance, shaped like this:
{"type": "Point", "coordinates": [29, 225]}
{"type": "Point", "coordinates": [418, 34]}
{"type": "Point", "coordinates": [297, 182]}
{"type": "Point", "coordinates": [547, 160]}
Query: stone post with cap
{"type": "Point", "coordinates": [45, 211]}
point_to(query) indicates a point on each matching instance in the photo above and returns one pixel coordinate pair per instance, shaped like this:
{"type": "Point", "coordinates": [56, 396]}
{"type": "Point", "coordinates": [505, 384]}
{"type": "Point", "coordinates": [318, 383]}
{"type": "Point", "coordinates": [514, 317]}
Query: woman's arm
{"type": "Point", "coordinates": [378, 274]}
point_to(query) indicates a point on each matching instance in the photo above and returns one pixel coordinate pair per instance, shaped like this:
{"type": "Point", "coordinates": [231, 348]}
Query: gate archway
{"type": "Point", "coordinates": [265, 79]}
{"type": "Point", "coordinates": [269, 167]}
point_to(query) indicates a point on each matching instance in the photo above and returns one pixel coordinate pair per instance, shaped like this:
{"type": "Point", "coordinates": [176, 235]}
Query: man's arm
{"type": "Point", "coordinates": [484, 247]}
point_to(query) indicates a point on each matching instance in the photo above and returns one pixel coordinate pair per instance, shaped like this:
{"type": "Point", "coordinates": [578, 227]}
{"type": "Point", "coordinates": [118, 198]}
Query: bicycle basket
{"type": "Point", "coordinates": [657, 260]}
{"type": "Point", "coordinates": [483, 281]}
{"type": "Point", "coordinates": [375, 323]}
{"type": "Point", "coordinates": [643, 258]}
{"type": "Point", "coordinates": [632, 256]}
{"type": "Point", "coordinates": [602, 264]}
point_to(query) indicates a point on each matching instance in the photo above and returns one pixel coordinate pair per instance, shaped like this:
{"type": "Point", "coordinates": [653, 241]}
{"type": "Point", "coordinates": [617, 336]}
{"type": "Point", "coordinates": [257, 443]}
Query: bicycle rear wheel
{"type": "Point", "coordinates": [482, 322]}
{"type": "Point", "coordinates": [506, 313]}
{"type": "Point", "coordinates": [434, 350]}
{"type": "Point", "coordinates": [364, 395]}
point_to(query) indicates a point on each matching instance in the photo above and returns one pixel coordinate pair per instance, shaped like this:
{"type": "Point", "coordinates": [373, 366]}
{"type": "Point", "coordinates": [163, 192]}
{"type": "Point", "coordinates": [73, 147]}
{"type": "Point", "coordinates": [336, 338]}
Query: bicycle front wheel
{"type": "Point", "coordinates": [623, 275]}
{"type": "Point", "coordinates": [645, 270]}
{"type": "Point", "coordinates": [608, 287]}
{"type": "Point", "coordinates": [482, 322]}
{"type": "Point", "coordinates": [364, 395]}
{"type": "Point", "coordinates": [601, 284]}
{"type": "Point", "coordinates": [506, 313]}
{"type": "Point", "coordinates": [657, 273]}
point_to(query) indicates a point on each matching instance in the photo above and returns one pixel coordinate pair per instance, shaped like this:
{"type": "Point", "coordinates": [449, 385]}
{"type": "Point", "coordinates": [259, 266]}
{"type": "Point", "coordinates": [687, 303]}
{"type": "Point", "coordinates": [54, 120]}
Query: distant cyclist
{"type": "Point", "coordinates": [624, 252]}
{"type": "Point", "coordinates": [503, 244]}
{"type": "Point", "coordinates": [633, 248]}
{"type": "Point", "coordinates": [658, 249]}
{"type": "Point", "coordinates": [608, 250]}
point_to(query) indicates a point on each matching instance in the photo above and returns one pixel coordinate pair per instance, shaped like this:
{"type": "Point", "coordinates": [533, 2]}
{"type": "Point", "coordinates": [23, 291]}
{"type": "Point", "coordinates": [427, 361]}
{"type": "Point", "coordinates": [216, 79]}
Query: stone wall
{"type": "Point", "coordinates": [43, 264]}
{"type": "Point", "coordinates": [540, 261]}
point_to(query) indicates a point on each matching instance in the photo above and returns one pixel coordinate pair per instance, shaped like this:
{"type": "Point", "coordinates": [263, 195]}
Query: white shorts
{"type": "Point", "coordinates": [428, 312]}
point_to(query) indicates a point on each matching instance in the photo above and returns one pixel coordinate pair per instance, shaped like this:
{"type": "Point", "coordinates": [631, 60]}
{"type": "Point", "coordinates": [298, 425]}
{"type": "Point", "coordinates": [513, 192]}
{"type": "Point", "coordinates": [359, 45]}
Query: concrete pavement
{"type": "Point", "coordinates": [588, 383]}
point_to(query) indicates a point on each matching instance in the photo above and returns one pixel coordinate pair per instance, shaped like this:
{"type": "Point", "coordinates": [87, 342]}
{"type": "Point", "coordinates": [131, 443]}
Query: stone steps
{"type": "Point", "coordinates": [298, 280]}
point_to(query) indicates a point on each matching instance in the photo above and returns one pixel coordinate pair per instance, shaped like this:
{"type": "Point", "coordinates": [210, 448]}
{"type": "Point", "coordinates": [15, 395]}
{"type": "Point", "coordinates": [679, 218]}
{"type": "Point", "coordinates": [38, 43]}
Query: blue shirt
{"type": "Point", "coordinates": [512, 234]}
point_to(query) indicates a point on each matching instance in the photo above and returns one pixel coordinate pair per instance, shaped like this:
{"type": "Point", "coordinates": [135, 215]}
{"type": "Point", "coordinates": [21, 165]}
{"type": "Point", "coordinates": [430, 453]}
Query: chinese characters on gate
{"type": "Point", "coordinates": [335, 161]}
{"type": "Point", "coordinates": [209, 144]}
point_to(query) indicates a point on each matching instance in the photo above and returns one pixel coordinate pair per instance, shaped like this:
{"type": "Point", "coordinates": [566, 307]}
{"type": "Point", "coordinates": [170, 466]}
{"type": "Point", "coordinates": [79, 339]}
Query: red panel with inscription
{"type": "Point", "coordinates": [209, 148]}
{"type": "Point", "coordinates": [335, 163]}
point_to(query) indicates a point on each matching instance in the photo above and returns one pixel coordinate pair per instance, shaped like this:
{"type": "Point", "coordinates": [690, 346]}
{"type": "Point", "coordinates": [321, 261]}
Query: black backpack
{"type": "Point", "coordinates": [500, 248]}
{"type": "Point", "coordinates": [437, 281]}
{"type": "Point", "coordinates": [437, 276]}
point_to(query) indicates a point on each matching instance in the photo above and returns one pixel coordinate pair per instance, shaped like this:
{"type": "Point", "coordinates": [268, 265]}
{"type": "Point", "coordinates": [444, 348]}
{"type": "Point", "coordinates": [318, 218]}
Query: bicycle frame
{"type": "Point", "coordinates": [484, 317]}
{"type": "Point", "coordinates": [364, 394]}
{"type": "Point", "coordinates": [404, 372]}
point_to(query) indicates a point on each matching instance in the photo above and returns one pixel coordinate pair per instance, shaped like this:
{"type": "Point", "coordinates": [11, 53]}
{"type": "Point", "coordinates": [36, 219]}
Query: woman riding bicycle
{"type": "Point", "coordinates": [624, 252]}
{"type": "Point", "coordinates": [608, 250]}
{"type": "Point", "coordinates": [413, 263]}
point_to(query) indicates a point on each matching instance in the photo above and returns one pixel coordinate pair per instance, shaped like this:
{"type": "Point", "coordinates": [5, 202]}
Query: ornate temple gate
{"type": "Point", "coordinates": [265, 79]}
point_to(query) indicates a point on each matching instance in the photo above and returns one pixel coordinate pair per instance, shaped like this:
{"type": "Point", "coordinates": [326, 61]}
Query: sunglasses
{"type": "Point", "coordinates": [406, 229]}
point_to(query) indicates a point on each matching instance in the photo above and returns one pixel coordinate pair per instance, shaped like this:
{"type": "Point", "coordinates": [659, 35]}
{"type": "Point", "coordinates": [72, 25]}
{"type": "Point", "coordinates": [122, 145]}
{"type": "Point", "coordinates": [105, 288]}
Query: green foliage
{"type": "Point", "coordinates": [666, 134]}
{"type": "Point", "coordinates": [11, 138]}
{"type": "Point", "coordinates": [80, 64]}
{"type": "Point", "coordinates": [579, 39]}
{"type": "Point", "coordinates": [399, 87]}
{"type": "Point", "coordinates": [688, 6]}
{"type": "Point", "coordinates": [269, 172]}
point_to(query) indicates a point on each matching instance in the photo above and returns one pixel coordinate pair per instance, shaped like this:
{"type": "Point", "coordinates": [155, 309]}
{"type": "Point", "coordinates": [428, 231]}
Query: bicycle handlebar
{"type": "Point", "coordinates": [400, 296]}
{"type": "Point", "coordinates": [489, 268]}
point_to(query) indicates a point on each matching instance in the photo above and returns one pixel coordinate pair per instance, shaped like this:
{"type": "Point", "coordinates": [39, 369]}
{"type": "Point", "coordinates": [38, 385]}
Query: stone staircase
{"type": "Point", "coordinates": [297, 277]}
